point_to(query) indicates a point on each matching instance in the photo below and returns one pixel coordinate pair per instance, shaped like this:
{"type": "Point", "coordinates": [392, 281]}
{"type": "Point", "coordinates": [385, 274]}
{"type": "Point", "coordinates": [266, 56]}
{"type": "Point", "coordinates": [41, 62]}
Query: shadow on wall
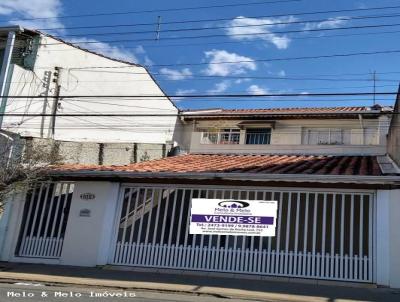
{"type": "Point", "coordinates": [393, 146]}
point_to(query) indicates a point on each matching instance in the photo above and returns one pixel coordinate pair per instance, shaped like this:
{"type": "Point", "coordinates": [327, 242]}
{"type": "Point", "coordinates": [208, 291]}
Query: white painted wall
{"type": "Point", "coordinates": [388, 238]}
{"type": "Point", "coordinates": [87, 240]}
{"type": "Point", "coordinates": [112, 78]}
{"type": "Point", "coordinates": [288, 137]}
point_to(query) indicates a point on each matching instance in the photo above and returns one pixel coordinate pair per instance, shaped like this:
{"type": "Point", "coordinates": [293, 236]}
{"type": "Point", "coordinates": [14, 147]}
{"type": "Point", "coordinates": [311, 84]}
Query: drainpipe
{"type": "Point", "coordinates": [11, 148]}
{"type": "Point", "coordinates": [4, 72]}
{"type": "Point", "coordinates": [362, 128]}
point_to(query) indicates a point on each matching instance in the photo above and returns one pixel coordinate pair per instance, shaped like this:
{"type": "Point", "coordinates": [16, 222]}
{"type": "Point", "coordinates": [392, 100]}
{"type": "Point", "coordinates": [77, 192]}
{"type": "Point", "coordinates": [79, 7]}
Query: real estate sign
{"type": "Point", "coordinates": [233, 217]}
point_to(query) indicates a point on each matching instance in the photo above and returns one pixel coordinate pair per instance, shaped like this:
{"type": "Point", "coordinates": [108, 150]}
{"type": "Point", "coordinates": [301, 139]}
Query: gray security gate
{"type": "Point", "coordinates": [320, 234]}
{"type": "Point", "coordinates": [44, 220]}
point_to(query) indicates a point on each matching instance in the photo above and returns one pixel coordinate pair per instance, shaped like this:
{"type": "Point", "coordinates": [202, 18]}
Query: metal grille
{"type": "Point", "coordinates": [324, 235]}
{"type": "Point", "coordinates": [44, 220]}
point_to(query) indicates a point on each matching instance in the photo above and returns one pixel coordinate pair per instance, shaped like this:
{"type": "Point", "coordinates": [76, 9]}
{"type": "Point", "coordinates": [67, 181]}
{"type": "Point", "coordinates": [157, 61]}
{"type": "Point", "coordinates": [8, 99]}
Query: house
{"type": "Point", "coordinates": [336, 187]}
{"type": "Point", "coordinates": [43, 79]}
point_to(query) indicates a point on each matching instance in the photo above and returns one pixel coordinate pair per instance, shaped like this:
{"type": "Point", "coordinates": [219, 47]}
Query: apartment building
{"type": "Point", "coordinates": [41, 80]}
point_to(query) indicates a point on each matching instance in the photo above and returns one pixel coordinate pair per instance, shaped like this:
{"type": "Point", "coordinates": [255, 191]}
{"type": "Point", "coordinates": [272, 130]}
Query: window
{"type": "Point", "coordinates": [258, 136]}
{"type": "Point", "coordinates": [325, 136]}
{"type": "Point", "coordinates": [221, 136]}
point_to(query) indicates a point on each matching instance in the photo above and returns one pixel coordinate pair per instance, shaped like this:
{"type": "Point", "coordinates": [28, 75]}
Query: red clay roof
{"type": "Point", "coordinates": [260, 164]}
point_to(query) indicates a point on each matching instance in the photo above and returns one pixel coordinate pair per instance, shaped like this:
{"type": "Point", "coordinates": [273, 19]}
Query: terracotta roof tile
{"type": "Point", "coordinates": [262, 164]}
{"type": "Point", "coordinates": [288, 111]}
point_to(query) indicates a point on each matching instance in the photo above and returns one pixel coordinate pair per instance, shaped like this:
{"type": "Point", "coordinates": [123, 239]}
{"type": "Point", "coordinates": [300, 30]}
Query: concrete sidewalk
{"type": "Point", "coordinates": [202, 284]}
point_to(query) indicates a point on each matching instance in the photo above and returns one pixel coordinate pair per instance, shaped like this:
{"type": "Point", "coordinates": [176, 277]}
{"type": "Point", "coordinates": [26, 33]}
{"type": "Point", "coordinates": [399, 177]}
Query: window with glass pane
{"type": "Point", "coordinates": [221, 136]}
{"type": "Point", "coordinates": [258, 136]}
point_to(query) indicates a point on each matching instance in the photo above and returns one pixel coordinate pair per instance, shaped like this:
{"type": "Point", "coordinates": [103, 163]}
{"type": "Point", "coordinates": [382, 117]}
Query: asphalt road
{"type": "Point", "coordinates": [31, 292]}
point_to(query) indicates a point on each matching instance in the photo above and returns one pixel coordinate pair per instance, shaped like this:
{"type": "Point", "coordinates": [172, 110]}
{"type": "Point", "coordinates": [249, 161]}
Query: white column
{"type": "Point", "coordinates": [382, 237]}
{"type": "Point", "coordinates": [10, 224]}
{"type": "Point", "coordinates": [394, 239]}
{"type": "Point", "coordinates": [5, 70]}
{"type": "Point", "coordinates": [88, 237]}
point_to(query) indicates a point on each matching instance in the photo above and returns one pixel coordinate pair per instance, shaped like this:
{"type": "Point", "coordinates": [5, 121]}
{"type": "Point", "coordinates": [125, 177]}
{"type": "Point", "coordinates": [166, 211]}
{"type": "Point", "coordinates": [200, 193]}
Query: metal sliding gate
{"type": "Point", "coordinates": [323, 235]}
{"type": "Point", "coordinates": [44, 220]}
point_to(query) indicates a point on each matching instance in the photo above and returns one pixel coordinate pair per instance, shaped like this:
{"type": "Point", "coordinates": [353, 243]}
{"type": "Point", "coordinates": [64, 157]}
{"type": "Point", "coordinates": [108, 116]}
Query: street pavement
{"type": "Point", "coordinates": [186, 286]}
{"type": "Point", "coordinates": [23, 292]}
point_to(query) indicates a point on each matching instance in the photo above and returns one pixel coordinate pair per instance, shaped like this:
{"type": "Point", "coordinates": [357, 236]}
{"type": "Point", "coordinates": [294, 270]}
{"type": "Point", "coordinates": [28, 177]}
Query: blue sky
{"type": "Point", "coordinates": [241, 38]}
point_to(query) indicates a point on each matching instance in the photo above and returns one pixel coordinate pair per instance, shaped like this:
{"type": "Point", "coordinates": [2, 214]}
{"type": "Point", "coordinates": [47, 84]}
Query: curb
{"type": "Point", "coordinates": [216, 292]}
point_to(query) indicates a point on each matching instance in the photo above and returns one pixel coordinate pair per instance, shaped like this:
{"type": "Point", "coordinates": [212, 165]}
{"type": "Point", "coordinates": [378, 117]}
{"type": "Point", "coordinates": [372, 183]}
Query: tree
{"type": "Point", "coordinates": [22, 163]}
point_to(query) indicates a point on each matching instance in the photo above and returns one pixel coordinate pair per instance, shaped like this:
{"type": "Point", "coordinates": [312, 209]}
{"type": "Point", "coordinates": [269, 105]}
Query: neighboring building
{"type": "Point", "coordinates": [338, 196]}
{"type": "Point", "coordinates": [34, 64]}
{"type": "Point", "coordinates": [337, 130]}
{"type": "Point", "coordinates": [394, 134]}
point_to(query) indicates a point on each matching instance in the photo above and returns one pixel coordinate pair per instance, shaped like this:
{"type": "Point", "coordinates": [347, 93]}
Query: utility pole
{"type": "Point", "coordinates": [56, 98]}
{"type": "Point", "coordinates": [158, 28]}
{"type": "Point", "coordinates": [374, 79]}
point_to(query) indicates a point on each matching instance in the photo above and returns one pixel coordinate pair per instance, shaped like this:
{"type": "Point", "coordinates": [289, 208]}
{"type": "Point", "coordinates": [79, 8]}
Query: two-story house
{"type": "Point", "coordinates": [307, 131]}
{"type": "Point", "coordinates": [43, 84]}
{"type": "Point", "coordinates": [337, 192]}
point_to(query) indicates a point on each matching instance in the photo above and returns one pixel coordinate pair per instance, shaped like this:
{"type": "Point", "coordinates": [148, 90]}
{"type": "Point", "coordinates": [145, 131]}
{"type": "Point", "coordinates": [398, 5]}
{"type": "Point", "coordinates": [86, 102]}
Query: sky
{"type": "Point", "coordinates": [259, 39]}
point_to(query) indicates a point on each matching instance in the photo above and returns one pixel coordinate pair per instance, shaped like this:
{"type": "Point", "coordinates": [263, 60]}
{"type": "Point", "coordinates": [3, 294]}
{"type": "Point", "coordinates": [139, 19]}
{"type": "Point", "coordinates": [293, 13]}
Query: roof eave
{"type": "Point", "coordinates": [382, 179]}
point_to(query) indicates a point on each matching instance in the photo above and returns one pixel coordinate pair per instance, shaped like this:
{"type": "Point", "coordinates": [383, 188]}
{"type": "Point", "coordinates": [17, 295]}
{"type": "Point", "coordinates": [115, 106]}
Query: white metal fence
{"type": "Point", "coordinates": [44, 220]}
{"type": "Point", "coordinates": [324, 235]}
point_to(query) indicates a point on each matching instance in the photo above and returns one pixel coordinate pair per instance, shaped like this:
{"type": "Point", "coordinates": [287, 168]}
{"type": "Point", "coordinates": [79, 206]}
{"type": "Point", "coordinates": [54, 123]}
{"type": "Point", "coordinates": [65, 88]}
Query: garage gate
{"type": "Point", "coordinates": [320, 234]}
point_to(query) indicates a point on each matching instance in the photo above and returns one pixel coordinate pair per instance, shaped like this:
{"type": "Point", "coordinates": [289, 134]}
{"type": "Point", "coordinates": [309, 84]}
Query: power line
{"type": "Point", "coordinates": [156, 11]}
{"type": "Point", "coordinates": [263, 33]}
{"type": "Point", "coordinates": [198, 77]}
{"type": "Point", "coordinates": [192, 115]}
{"type": "Point", "coordinates": [244, 61]}
{"type": "Point", "coordinates": [236, 26]}
{"type": "Point", "coordinates": [160, 45]}
{"type": "Point", "coordinates": [209, 95]}
{"type": "Point", "coordinates": [226, 19]}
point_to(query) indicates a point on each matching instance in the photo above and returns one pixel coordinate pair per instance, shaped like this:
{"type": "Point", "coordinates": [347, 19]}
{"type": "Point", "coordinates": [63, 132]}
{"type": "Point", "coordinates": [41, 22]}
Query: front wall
{"type": "Point", "coordinates": [318, 233]}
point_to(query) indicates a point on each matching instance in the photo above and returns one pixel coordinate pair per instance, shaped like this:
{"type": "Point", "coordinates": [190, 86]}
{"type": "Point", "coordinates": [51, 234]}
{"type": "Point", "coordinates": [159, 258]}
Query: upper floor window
{"type": "Point", "coordinates": [221, 136]}
{"type": "Point", "coordinates": [258, 136]}
{"type": "Point", "coordinates": [326, 136]}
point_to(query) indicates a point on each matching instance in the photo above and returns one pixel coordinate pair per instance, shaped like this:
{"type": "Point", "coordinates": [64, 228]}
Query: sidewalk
{"type": "Point", "coordinates": [202, 284]}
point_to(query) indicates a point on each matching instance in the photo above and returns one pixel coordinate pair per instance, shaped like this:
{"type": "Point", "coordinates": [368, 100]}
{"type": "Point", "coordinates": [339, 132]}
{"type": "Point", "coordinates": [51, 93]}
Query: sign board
{"type": "Point", "coordinates": [233, 217]}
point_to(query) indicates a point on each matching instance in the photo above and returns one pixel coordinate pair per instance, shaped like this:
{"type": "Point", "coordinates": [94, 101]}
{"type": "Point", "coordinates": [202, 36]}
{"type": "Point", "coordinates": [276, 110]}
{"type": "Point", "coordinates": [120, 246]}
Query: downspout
{"type": "Point", "coordinates": [362, 128]}
{"type": "Point", "coordinates": [11, 148]}
{"type": "Point", "coordinates": [4, 73]}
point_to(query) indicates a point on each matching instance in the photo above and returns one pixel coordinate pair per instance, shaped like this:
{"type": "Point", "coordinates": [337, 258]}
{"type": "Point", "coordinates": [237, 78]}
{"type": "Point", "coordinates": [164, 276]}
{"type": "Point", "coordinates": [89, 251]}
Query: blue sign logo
{"type": "Point", "coordinates": [233, 204]}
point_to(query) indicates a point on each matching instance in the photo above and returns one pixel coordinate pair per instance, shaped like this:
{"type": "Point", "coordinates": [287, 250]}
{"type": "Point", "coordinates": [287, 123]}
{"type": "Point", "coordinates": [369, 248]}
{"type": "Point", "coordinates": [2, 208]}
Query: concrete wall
{"type": "Point", "coordinates": [289, 137]}
{"type": "Point", "coordinates": [86, 152]}
{"type": "Point", "coordinates": [87, 240]}
{"type": "Point", "coordinates": [388, 239]}
{"type": "Point", "coordinates": [393, 148]}
{"type": "Point", "coordinates": [76, 76]}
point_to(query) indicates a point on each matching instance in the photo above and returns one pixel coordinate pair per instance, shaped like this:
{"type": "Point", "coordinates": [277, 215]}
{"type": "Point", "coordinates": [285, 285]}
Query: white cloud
{"type": "Point", "coordinates": [185, 91]}
{"type": "Point", "coordinates": [30, 9]}
{"type": "Point", "coordinates": [220, 87]}
{"type": "Point", "coordinates": [237, 64]}
{"type": "Point", "coordinates": [282, 73]}
{"type": "Point", "coordinates": [243, 28]}
{"type": "Point", "coordinates": [47, 11]}
{"type": "Point", "coordinates": [328, 23]}
{"type": "Point", "coordinates": [175, 74]}
{"type": "Point", "coordinates": [255, 89]}
{"type": "Point", "coordinates": [106, 49]}
{"type": "Point", "coordinates": [240, 81]}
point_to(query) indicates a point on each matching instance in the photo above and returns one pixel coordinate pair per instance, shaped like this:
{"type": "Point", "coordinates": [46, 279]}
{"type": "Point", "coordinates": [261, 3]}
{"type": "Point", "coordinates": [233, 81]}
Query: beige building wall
{"type": "Point", "coordinates": [363, 137]}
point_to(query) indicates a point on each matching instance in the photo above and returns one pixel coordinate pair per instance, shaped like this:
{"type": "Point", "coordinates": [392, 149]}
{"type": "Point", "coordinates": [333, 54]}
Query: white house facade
{"type": "Point", "coordinates": [338, 205]}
